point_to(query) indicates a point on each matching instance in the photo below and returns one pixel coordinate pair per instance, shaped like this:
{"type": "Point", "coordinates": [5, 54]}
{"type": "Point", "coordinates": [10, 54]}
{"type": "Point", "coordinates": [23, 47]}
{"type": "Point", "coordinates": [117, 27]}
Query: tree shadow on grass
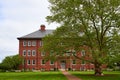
{"type": "Point", "coordinates": [93, 77]}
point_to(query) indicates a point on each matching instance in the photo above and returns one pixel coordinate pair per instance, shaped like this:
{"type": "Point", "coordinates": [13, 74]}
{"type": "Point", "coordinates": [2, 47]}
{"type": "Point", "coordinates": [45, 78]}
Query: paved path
{"type": "Point", "coordinates": [70, 76]}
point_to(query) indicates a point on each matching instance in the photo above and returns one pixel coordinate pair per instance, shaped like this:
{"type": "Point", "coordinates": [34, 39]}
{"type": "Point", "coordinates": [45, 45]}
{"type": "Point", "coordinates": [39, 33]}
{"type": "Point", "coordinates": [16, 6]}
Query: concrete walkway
{"type": "Point", "coordinates": [70, 76]}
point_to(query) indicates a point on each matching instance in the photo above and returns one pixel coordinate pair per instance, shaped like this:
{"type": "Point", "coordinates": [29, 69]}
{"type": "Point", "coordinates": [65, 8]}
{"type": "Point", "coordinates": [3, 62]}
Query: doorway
{"type": "Point", "coordinates": [63, 64]}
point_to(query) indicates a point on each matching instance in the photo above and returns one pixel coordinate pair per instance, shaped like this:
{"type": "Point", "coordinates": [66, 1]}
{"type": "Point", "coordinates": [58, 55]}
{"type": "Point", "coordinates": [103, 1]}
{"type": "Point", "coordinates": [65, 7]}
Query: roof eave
{"type": "Point", "coordinates": [29, 38]}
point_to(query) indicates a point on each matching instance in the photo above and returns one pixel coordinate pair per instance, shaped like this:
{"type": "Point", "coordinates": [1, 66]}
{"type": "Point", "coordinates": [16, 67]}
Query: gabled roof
{"type": "Point", "coordinates": [37, 34]}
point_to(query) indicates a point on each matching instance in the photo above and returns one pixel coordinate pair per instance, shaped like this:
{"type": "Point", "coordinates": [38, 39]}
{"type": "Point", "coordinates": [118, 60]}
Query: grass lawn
{"type": "Point", "coordinates": [32, 76]}
{"type": "Point", "coordinates": [90, 75]}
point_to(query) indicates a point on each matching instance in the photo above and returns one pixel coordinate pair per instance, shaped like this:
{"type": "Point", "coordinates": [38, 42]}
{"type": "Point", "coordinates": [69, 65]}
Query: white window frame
{"type": "Point", "coordinates": [83, 53]}
{"type": "Point", "coordinates": [33, 62]}
{"type": "Point", "coordinates": [41, 43]}
{"type": "Point", "coordinates": [28, 62]}
{"type": "Point", "coordinates": [24, 53]}
{"type": "Point", "coordinates": [29, 52]}
{"type": "Point", "coordinates": [33, 43]}
{"type": "Point", "coordinates": [29, 43]}
{"type": "Point", "coordinates": [42, 53]}
{"type": "Point", "coordinates": [33, 52]}
{"type": "Point", "coordinates": [24, 43]}
{"type": "Point", "coordinates": [68, 54]}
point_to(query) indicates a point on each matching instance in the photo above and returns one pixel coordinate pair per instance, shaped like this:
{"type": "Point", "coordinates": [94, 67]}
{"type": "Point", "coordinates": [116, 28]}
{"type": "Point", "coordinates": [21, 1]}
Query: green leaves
{"type": "Point", "coordinates": [91, 23]}
{"type": "Point", "coordinates": [11, 62]}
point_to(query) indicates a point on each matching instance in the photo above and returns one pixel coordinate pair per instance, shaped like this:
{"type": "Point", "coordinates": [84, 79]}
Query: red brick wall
{"type": "Point", "coordinates": [47, 65]}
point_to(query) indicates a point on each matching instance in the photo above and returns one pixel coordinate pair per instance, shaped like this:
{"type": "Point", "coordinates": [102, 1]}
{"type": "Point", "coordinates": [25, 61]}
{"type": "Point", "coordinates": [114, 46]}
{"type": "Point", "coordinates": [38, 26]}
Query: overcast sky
{"type": "Point", "coordinates": [18, 18]}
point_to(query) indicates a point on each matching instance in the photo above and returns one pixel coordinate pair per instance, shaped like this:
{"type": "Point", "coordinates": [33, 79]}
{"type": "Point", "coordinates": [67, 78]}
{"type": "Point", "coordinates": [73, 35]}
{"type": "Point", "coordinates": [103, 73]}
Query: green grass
{"type": "Point", "coordinates": [90, 75]}
{"type": "Point", "coordinates": [32, 76]}
{"type": "Point", "coordinates": [57, 75]}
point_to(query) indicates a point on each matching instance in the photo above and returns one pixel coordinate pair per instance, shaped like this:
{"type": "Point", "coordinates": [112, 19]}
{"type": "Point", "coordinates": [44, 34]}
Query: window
{"type": "Point", "coordinates": [29, 43]}
{"type": "Point", "coordinates": [33, 43]}
{"type": "Point", "coordinates": [23, 62]}
{"type": "Point", "coordinates": [51, 62]}
{"type": "Point", "coordinates": [33, 52]}
{"type": "Point", "coordinates": [68, 54]}
{"type": "Point", "coordinates": [51, 53]}
{"type": "Point", "coordinates": [73, 61]}
{"type": "Point", "coordinates": [28, 62]}
{"type": "Point", "coordinates": [43, 61]}
{"type": "Point", "coordinates": [29, 52]}
{"type": "Point", "coordinates": [24, 52]}
{"type": "Point", "coordinates": [83, 53]}
{"type": "Point", "coordinates": [42, 53]}
{"type": "Point", "coordinates": [41, 43]}
{"type": "Point", "coordinates": [83, 62]}
{"type": "Point", "coordinates": [24, 43]}
{"type": "Point", "coordinates": [33, 62]}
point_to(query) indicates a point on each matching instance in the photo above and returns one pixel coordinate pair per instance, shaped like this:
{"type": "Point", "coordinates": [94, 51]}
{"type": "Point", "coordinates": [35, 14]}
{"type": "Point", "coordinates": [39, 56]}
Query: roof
{"type": "Point", "coordinates": [37, 34]}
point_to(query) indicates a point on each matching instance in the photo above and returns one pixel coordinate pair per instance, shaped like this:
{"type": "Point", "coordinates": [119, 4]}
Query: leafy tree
{"type": "Point", "coordinates": [11, 62]}
{"type": "Point", "coordinates": [91, 23]}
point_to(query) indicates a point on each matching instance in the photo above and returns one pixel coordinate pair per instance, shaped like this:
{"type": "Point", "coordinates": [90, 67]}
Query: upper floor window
{"type": "Point", "coordinates": [68, 54]}
{"type": "Point", "coordinates": [51, 53]}
{"type": "Point", "coordinates": [43, 62]}
{"type": "Point", "coordinates": [24, 43]}
{"type": "Point", "coordinates": [41, 43]}
{"type": "Point", "coordinates": [42, 53]}
{"type": "Point", "coordinates": [24, 52]}
{"type": "Point", "coordinates": [83, 53]}
{"type": "Point", "coordinates": [29, 43]}
{"type": "Point", "coordinates": [33, 62]}
{"type": "Point", "coordinates": [33, 52]}
{"type": "Point", "coordinates": [33, 43]}
{"type": "Point", "coordinates": [29, 52]}
{"type": "Point", "coordinates": [28, 62]}
{"type": "Point", "coordinates": [83, 62]}
{"type": "Point", "coordinates": [73, 61]}
{"type": "Point", "coordinates": [51, 62]}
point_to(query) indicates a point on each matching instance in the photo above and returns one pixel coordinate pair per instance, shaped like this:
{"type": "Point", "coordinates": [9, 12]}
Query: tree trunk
{"type": "Point", "coordinates": [98, 69]}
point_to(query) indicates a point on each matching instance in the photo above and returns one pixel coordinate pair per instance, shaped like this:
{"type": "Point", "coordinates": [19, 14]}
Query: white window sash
{"type": "Point", "coordinates": [29, 43]}
{"type": "Point", "coordinates": [24, 43]}
{"type": "Point", "coordinates": [33, 43]}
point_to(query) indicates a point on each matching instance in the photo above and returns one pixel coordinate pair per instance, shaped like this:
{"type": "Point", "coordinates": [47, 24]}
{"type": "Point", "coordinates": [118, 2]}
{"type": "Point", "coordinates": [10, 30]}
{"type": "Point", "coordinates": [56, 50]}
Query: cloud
{"type": "Point", "coordinates": [18, 18]}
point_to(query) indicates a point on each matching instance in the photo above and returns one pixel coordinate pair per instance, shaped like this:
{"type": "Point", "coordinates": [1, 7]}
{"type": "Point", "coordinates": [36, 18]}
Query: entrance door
{"type": "Point", "coordinates": [63, 65]}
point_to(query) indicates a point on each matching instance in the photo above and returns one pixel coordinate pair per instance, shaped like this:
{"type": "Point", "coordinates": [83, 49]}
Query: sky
{"type": "Point", "coordinates": [18, 18]}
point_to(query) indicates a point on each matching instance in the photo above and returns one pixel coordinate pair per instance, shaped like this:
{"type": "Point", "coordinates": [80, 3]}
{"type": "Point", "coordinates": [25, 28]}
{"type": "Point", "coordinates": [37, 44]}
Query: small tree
{"type": "Point", "coordinates": [91, 23]}
{"type": "Point", "coordinates": [11, 62]}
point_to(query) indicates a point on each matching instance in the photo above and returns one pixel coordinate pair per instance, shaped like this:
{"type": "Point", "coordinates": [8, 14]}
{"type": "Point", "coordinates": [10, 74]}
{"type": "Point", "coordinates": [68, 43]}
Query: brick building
{"type": "Point", "coordinates": [33, 58]}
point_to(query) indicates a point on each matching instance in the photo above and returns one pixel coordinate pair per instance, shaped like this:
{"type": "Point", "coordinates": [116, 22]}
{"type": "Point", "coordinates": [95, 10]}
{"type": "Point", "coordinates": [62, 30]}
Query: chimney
{"type": "Point", "coordinates": [42, 27]}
